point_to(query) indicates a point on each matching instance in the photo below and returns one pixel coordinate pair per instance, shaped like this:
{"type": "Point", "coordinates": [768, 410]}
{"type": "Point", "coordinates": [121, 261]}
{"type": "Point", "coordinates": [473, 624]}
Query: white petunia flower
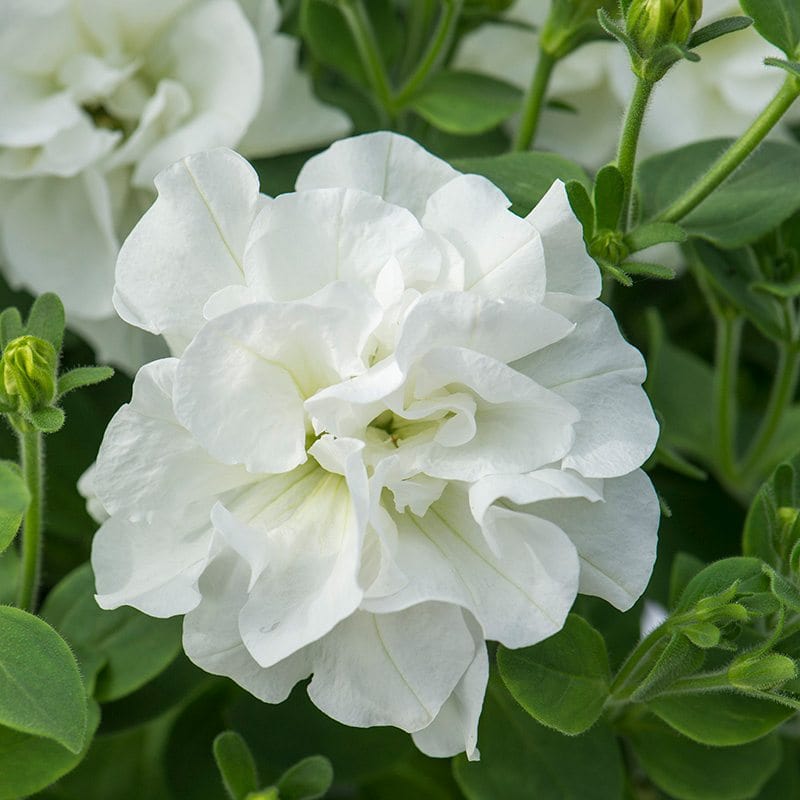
{"type": "Point", "coordinates": [97, 97]}
{"type": "Point", "coordinates": [717, 97]}
{"type": "Point", "coordinates": [398, 423]}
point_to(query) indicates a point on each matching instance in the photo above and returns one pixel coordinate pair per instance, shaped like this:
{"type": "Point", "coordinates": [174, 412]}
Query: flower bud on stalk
{"type": "Point", "coordinates": [570, 23]}
{"type": "Point", "coordinates": [651, 24]}
{"type": "Point", "coordinates": [763, 672]}
{"type": "Point", "coordinates": [28, 373]}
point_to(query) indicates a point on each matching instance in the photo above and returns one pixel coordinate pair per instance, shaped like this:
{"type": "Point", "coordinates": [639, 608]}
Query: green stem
{"type": "Point", "coordinates": [641, 657]}
{"type": "Point", "coordinates": [418, 23]}
{"type": "Point", "coordinates": [629, 143]}
{"type": "Point", "coordinates": [369, 52]}
{"type": "Point", "coordinates": [436, 51]}
{"type": "Point", "coordinates": [781, 396]}
{"type": "Point", "coordinates": [534, 101]}
{"type": "Point", "coordinates": [32, 464]}
{"type": "Point", "coordinates": [735, 154]}
{"type": "Point", "coordinates": [729, 338]}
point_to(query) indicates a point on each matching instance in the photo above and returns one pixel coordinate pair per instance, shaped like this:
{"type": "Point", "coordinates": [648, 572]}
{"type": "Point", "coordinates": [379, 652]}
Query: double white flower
{"type": "Point", "coordinates": [98, 96]}
{"type": "Point", "coordinates": [717, 97]}
{"type": "Point", "coordinates": [398, 423]}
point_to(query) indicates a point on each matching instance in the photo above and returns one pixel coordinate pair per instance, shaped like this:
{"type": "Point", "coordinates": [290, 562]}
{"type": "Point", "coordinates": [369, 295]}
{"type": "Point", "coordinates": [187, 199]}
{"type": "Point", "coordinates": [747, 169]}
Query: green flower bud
{"type": "Point", "coordinates": [570, 23]}
{"type": "Point", "coordinates": [653, 23]}
{"type": "Point", "coordinates": [762, 672]}
{"type": "Point", "coordinates": [609, 246]}
{"type": "Point", "coordinates": [28, 372]}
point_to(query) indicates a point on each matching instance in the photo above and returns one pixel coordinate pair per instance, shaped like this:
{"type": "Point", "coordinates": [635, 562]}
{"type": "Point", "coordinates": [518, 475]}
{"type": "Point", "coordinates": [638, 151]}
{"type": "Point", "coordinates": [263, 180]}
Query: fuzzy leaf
{"type": "Point", "coordinates": [236, 765]}
{"type": "Point", "coordinates": [82, 376]}
{"type": "Point", "coordinates": [46, 319]}
{"type": "Point", "coordinates": [720, 27]}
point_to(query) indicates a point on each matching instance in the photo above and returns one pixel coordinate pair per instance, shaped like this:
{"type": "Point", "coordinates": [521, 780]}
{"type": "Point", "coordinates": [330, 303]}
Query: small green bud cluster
{"type": "Point", "coordinates": [652, 24]}
{"type": "Point", "coordinates": [609, 246]}
{"type": "Point", "coordinates": [28, 367]}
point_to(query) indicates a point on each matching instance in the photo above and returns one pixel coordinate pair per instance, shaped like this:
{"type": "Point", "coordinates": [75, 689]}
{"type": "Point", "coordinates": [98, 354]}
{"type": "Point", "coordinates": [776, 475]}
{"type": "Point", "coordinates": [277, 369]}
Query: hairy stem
{"type": "Point", "coordinates": [32, 470]}
{"type": "Point", "coordinates": [534, 101]}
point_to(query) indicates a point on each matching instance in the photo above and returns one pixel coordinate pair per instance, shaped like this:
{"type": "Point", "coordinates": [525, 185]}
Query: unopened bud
{"type": "Point", "coordinates": [609, 246]}
{"type": "Point", "coordinates": [28, 368]}
{"type": "Point", "coordinates": [569, 22]}
{"type": "Point", "coordinates": [654, 23]}
{"type": "Point", "coordinates": [762, 672]}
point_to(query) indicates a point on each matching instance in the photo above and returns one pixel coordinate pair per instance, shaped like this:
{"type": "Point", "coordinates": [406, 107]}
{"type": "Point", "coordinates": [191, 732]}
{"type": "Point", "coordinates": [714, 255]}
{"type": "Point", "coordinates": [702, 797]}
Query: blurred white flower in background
{"type": "Point", "coordinates": [397, 423]}
{"type": "Point", "coordinates": [717, 97]}
{"type": "Point", "coordinates": [97, 97]}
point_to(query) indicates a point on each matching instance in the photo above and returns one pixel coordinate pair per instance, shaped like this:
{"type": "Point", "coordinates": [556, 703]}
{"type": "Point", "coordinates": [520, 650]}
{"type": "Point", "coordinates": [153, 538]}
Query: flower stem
{"type": "Point", "coordinates": [436, 51]}
{"type": "Point", "coordinates": [629, 142]}
{"type": "Point", "coordinates": [32, 462]}
{"type": "Point", "coordinates": [534, 101]}
{"type": "Point", "coordinates": [729, 337]}
{"type": "Point", "coordinates": [369, 52]}
{"type": "Point", "coordinates": [781, 395]}
{"type": "Point", "coordinates": [735, 154]}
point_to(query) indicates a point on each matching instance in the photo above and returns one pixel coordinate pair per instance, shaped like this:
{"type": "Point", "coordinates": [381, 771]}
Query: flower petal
{"type": "Point", "coordinates": [337, 235]}
{"type": "Point", "coordinates": [309, 582]}
{"type": "Point", "coordinates": [152, 566]}
{"type": "Point", "coordinates": [386, 164]}
{"type": "Point", "coordinates": [392, 669]}
{"type": "Point", "coordinates": [148, 461]}
{"type": "Point", "coordinates": [520, 594]}
{"type": "Point", "coordinates": [616, 539]}
{"type": "Point", "coordinates": [455, 728]}
{"type": "Point", "coordinates": [75, 257]}
{"type": "Point", "coordinates": [189, 244]}
{"type": "Point", "coordinates": [211, 636]}
{"type": "Point", "coordinates": [600, 374]}
{"type": "Point", "coordinates": [569, 267]}
{"type": "Point", "coordinates": [503, 254]}
{"type": "Point", "coordinates": [268, 357]}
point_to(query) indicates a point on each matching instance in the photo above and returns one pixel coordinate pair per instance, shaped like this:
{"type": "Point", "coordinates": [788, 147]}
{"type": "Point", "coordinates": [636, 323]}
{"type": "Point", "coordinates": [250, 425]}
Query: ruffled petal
{"type": "Point", "coordinates": [520, 590]}
{"type": "Point", "coordinates": [392, 669]}
{"type": "Point", "coordinates": [188, 245]}
{"type": "Point", "coordinates": [386, 164]}
{"type": "Point", "coordinates": [600, 374]}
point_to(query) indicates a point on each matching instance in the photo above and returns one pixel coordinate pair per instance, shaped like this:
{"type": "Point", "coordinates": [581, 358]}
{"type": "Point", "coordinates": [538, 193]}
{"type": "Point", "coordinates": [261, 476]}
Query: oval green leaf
{"type": "Point", "coordinates": [309, 779]}
{"type": "Point", "coordinates": [41, 692]}
{"type": "Point", "coordinates": [563, 681]}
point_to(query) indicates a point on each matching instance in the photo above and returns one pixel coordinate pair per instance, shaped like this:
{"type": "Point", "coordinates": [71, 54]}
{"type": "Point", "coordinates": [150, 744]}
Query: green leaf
{"type": "Point", "coordinates": [82, 376]}
{"type": "Point", "coordinates": [792, 67]}
{"type": "Point", "coordinates": [778, 21]}
{"type": "Point", "coordinates": [14, 499]}
{"type": "Point", "coordinates": [40, 687]}
{"type": "Point", "coordinates": [466, 102]}
{"type": "Point", "coordinates": [109, 643]}
{"type": "Point", "coordinates": [581, 206]}
{"type": "Point", "coordinates": [328, 36]}
{"type": "Point", "coordinates": [753, 201]}
{"type": "Point", "coordinates": [235, 764]}
{"type": "Point", "coordinates": [719, 577]}
{"type": "Point", "coordinates": [521, 759]}
{"type": "Point", "coordinates": [772, 526]}
{"type": "Point", "coordinates": [309, 779]}
{"type": "Point", "coordinates": [649, 270]}
{"type": "Point", "coordinates": [524, 177]}
{"type": "Point", "coordinates": [686, 770]}
{"type": "Point", "coordinates": [46, 319]}
{"type": "Point", "coordinates": [652, 233]}
{"type": "Point", "coordinates": [609, 191]}
{"type": "Point", "coordinates": [48, 420]}
{"type": "Point", "coordinates": [732, 273]}
{"type": "Point", "coordinates": [783, 291]}
{"type": "Point", "coordinates": [10, 326]}
{"type": "Point", "coordinates": [29, 763]}
{"type": "Point", "coordinates": [720, 27]}
{"type": "Point", "coordinates": [786, 592]}
{"type": "Point", "coordinates": [722, 719]}
{"type": "Point", "coordinates": [563, 681]}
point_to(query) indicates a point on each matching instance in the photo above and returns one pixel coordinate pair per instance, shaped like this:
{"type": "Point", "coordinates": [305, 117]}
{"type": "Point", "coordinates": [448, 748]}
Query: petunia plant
{"type": "Point", "coordinates": [461, 460]}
